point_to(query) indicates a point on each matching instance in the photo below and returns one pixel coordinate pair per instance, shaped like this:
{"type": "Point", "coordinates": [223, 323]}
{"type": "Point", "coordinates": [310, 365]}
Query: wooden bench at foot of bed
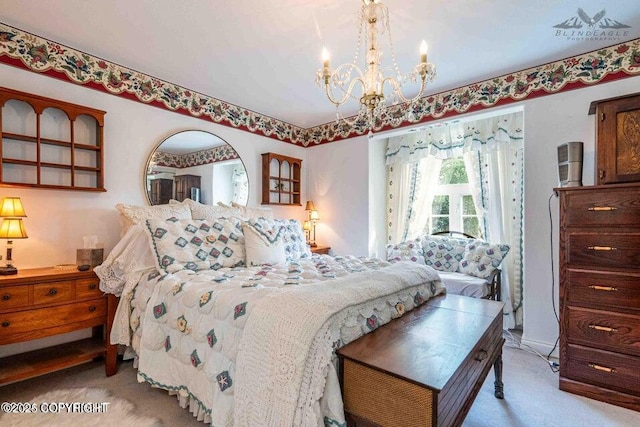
{"type": "Point", "coordinates": [425, 368]}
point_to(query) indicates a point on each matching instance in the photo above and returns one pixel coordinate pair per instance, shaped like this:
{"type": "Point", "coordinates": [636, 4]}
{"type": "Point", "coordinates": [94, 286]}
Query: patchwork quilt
{"type": "Point", "coordinates": [187, 327]}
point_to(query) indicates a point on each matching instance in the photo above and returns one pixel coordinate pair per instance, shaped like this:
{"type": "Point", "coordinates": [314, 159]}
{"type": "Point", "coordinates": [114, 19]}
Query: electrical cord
{"type": "Point", "coordinates": [554, 365]}
{"type": "Point", "coordinates": [512, 341]}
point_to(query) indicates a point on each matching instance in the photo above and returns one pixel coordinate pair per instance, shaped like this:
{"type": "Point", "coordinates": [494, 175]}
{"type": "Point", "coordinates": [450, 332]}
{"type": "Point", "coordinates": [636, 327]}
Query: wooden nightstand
{"type": "Point", "coordinates": [323, 250]}
{"type": "Point", "coordinates": [41, 302]}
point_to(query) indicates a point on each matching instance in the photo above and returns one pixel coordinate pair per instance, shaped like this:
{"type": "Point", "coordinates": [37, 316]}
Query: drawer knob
{"type": "Point", "coordinates": [6, 297]}
{"type": "Point", "coordinates": [602, 328]}
{"type": "Point", "coordinates": [602, 368]}
{"type": "Point", "coordinates": [603, 288]}
{"type": "Point", "coordinates": [602, 208]}
{"type": "Point", "coordinates": [481, 355]}
{"type": "Point", "coordinates": [602, 248]}
{"type": "Point", "coordinates": [5, 324]}
{"type": "Point", "coordinates": [93, 286]}
{"type": "Point", "coordinates": [92, 308]}
{"type": "Point", "coordinates": [53, 291]}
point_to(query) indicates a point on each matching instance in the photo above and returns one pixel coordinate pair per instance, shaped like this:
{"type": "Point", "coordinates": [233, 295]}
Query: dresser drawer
{"type": "Point", "coordinates": [14, 297]}
{"type": "Point", "coordinates": [618, 250]}
{"type": "Point", "coordinates": [610, 370]}
{"type": "Point", "coordinates": [54, 292]}
{"type": "Point", "coordinates": [610, 207]}
{"type": "Point", "coordinates": [15, 326]}
{"type": "Point", "coordinates": [88, 288]}
{"type": "Point", "coordinates": [604, 329]}
{"type": "Point", "coordinates": [603, 289]}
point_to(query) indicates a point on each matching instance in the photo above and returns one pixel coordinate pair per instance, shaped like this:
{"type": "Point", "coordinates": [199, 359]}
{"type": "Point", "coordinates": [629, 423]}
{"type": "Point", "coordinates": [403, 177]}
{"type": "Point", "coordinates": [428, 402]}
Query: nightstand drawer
{"type": "Point", "coordinates": [14, 327]}
{"type": "Point", "coordinates": [55, 292]}
{"type": "Point", "coordinates": [14, 297]}
{"type": "Point", "coordinates": [88, 288]}
{"type": "Point", "coordinates": [603, 368]}
{"type": "Point", "coordinates": [604, 329]}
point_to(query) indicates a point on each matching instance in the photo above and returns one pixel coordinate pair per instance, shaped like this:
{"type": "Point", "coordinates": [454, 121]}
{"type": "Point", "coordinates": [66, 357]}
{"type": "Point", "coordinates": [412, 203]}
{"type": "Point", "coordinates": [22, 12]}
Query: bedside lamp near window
{"type": "Point", "coordinates": [314, 217]}
{"type": "Point", "coordinates": [11, 213]}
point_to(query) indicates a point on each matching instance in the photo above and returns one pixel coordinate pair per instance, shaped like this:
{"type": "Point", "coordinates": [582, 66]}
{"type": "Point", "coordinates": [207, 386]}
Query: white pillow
{"type": "Point", "coordinates": [264, 249]}
{"type": "Point", "coordinates": [131, 214]}
{"type": "Point", "coordinates": [251, 213]}
{"type": "Point", "coordinates": [196, 244]}
{"type": "Point", "coordinates": [295, 244]}
{"type": "Point", "coordinates": [209, 212]}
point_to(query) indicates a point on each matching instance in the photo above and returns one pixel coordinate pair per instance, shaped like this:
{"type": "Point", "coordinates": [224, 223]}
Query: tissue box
{"type": "Point", "coordinates": [91, 257]}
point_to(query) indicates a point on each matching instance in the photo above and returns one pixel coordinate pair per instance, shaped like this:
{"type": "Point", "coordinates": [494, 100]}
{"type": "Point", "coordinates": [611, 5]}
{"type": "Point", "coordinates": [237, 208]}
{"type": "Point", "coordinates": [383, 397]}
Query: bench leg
{"type": "Point", "coordinates": [499, 386]}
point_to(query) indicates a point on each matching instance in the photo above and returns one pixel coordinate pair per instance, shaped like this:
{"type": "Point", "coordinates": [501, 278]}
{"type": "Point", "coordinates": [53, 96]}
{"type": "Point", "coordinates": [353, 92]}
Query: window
{"type": "Point", "coordinates": [452, 207]}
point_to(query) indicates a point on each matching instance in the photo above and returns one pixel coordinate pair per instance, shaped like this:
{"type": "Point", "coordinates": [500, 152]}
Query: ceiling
{"type": "Point", "coordinates": [263, 55]}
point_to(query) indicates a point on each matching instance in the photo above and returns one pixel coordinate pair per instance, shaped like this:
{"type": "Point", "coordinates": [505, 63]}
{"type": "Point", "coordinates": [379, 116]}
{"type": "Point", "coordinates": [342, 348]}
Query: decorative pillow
{"type": "Point", "coordinates": [443, 253]}
{"type": "Point", "coordinates": [410, 250]}
{"type": "Point", "coordinates": [295, 244]}
{"type": "Point", "coordinates": [209, 212]}
{"type": "Point", "coordinates": [481, 258]}
{"type": "Point", "coordinates": [131, 215]}
{"type": "Point", "coordinates": [196, 244]}
{"type": "Point", "coordinates": [264, 247]}
{"type": "Point", "coordinates": [251, 213]}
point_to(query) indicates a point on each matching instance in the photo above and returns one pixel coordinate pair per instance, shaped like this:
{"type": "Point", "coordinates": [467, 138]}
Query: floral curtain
{"type": "Point", "coordinates": [492, 150]}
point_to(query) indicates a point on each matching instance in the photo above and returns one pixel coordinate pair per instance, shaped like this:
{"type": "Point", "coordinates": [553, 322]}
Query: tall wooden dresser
{"type": "Point", "coordinates": [600, 292]}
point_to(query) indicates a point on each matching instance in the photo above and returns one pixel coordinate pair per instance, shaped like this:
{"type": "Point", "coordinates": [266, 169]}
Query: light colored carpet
{"type": "Point", "coordinates": [532, 397]}
{"type": "Point", "coordinates": [76, 407]}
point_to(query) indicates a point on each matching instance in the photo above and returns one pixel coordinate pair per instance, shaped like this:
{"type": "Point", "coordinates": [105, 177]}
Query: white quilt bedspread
{"type": "Point", "coordinates": [192, 333]}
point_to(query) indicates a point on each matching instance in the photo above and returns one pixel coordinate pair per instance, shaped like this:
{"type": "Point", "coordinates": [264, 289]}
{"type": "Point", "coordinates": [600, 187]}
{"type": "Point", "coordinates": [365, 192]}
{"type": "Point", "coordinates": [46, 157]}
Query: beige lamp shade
{"type": "Point", "coordinates": [12, 228]}
{"type": "Point", "coordinates": [306, 225]}
{"type": "Point", "coordinates": [314, 215]}
{"type": "Point", "coordinates": [11, 207]}
{"type": "Point", "coordinates": [310, 206]}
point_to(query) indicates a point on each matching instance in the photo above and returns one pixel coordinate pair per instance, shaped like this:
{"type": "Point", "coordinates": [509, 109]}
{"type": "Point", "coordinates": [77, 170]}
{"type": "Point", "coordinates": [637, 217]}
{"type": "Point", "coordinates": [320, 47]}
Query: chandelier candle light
{"type": "Point", "coordinates": [374, 21]}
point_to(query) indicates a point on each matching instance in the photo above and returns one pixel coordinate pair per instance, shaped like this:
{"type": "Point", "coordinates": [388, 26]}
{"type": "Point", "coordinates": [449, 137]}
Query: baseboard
{"type": "Point", "coordinates": [543, 348]}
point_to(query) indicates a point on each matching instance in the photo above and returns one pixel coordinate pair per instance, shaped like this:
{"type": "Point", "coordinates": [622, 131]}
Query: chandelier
{"type": "Point", "coordinates": [374, 21]}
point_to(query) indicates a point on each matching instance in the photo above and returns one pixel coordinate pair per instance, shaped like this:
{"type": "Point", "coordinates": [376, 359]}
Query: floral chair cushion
{"type": "Point", "coordinates": [410, 250]}
{"type": "Point", "coordinates": [482, 258]}
{"type": "Point", "coordinates": [444, 253]}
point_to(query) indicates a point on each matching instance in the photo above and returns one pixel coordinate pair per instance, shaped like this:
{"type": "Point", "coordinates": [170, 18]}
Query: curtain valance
{"type": "Point", "coordinates": [452, 139]}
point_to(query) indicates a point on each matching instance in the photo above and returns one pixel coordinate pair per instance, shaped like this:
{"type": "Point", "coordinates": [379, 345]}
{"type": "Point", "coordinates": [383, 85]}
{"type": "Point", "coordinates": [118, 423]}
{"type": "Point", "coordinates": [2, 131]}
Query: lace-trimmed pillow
{"type": "Point", "coordinates": [406, 251]}
{"type": "Point", "coordinates": [209, 212]}
{"type": "Point", "coordinates": [443, 253]}
{"type": "Point", "coordinates": [131, 214]}
{"type": "Point", "coordinates": [196, 244]}
{"type": "Point", "coordinates": [252, 213]}
{"type": "Point", "coordinates": [264, 247]}
{"type": "Point", "coordinates": [482, 258]}
{"type": "Point", "coordinates": [295, 243]}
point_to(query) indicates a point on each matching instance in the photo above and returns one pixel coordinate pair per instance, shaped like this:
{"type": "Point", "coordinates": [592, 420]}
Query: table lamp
{"type": "Point", "coordinates": [314, 217]}
{"type": "Point", "coordinates": [11, 213]}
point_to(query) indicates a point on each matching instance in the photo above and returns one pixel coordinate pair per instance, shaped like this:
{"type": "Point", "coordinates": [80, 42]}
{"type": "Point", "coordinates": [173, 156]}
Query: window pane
{"type": "Point", "coordinates": [440, 205]}
{"type": "Point", "coordinates": [453, 172]}
{"type": "Point", "coordinates": [471, 226]}
{"type": "Point", "coordinates": [468, 208]}
{"type": "Point", "coordinates": [440, 223]}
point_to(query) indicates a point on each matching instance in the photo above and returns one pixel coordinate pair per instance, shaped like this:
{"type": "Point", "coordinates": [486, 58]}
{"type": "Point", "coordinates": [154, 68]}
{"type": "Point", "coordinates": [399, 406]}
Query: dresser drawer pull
{"type": "Point", "coordinates": [93, 286]}
{"type": "Point", "coordinates": [52, 292]}
{"type": "Point", "coordinates": [481, 355]}
{"type": "Point", "coordinates": [602, 208]}
{"type": "Point", "coordinates": [5, 324]}
{"type": "Point", "coordinates": [603, 288]}
{"type": "Point", "coordinates": [602, 248]}
{"type": "Point", "coordinates": [602, 328]}
{"type": "Point", "coordinates": [602, 368]}
{"type": "Point", "coordinates": [92, 308]}
{"type": "Point", "coordinates": [6, 297]}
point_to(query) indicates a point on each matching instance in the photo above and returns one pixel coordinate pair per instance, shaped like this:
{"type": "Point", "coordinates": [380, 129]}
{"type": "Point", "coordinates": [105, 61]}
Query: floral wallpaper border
{"type": "Point", "coordinates": [197, 158]}
{"type": "Point", "coordinates": [25, 50]}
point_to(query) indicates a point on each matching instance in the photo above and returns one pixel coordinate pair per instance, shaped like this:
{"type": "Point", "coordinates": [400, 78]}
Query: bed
{"type": "Point", "coordinates": [237, 318]}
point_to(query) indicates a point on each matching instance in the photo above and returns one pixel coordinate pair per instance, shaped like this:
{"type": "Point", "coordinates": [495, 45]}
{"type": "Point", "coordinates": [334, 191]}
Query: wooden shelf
{"type": "Point", "coordinates": [21, 152]}
{"type": "Point", "coordinates": [278, 170]}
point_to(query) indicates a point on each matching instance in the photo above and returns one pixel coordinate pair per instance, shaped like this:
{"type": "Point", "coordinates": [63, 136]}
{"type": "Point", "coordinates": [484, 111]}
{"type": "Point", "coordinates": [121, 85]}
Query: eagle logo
{"type": "Point", "coordinates": [582, 18]}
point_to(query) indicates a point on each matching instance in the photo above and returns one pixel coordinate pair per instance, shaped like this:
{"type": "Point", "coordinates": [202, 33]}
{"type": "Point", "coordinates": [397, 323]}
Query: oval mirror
{"type": "Point", "coordinates": [195, 165]}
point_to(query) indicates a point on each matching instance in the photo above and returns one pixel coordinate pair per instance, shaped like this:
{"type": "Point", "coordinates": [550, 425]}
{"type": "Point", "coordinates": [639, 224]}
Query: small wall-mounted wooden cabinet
{"type": "Point", "coordinates": [617, 139]}
{"type": "Point", "coordinates": [280, 179]}
{"type": "Point", "coordinates": [48, 143]}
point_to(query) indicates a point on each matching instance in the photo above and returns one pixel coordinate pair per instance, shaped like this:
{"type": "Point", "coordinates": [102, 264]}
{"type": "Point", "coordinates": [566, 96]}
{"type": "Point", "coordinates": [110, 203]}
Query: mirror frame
{"type": "Point", "coordinates": [155, 148]}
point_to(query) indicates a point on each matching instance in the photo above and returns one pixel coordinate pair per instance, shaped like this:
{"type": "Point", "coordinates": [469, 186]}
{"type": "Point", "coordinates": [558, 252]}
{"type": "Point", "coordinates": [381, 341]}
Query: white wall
{"type": "Point", "coordinates": [57, 219]}
{"type": "Point", "coordinates": [338, 180]}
